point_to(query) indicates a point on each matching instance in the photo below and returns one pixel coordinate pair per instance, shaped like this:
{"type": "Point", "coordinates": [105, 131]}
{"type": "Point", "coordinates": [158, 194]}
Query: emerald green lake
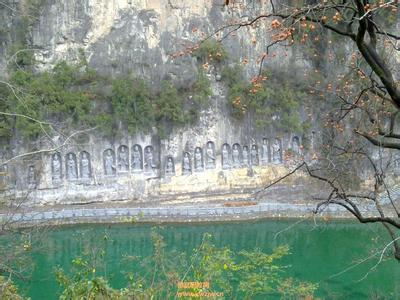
{"type": "Point", "coordinates": [317, 252]}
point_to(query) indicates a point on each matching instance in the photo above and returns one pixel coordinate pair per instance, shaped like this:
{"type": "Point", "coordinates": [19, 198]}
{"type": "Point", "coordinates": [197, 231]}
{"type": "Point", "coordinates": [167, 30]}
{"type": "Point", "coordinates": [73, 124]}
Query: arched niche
{"type": "Point", "coordinates": [149, 161]}
{"type": "Point", "coordinates": [254, 155]}
{"type": "Point", "coordinates": [198, 159]}
{"type": "Point", "coordinates": [109, 162]}
{"type": "Point", "coordinates": [210, 157]}
{"type": "Point", "coordinates": [169, 169]}
{"type": "Point", "coordinates": [276, 151]}
{"type": "Point", "coordinates": [71, 166]}
{"type": "Point", "coordinates": [245, 156]}
{"type": "Point", "coordinates": [296, 147]}
{"type": "Point", "coordinates": [236, 155]}
{"type": "Point", "coordinates": [85, 165]}
{"type": "Point", "coordinates": [56, 167]}
{"type": "Point", "coordinates": [226, 156]}
{"type": "Point", "coordinates": [137, 158]}
{"type": "Point", "coordinates": [265, 151]}
{"type": "Point", "coordinates": [123, 158]}
{"type": "Point", "coordinates": [31, 177]}
{"type": "Point", "coordinates": [186, 164]}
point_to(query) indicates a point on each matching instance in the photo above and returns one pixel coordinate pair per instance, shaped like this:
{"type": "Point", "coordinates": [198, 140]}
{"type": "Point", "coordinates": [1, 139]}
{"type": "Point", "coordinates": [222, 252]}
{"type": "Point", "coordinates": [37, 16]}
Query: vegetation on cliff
{"type": "Point", "coordinates": [269, 102]}
{"type": "Point", "coordinates": [75, 96]}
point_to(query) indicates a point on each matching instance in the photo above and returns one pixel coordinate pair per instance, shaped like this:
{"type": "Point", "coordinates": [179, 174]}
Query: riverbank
{"type": "Point", "coordinates": [284, 200]}
{"type": "Point", "coordinates": [275, 203]}
{"type": "Point", "coordinates": [179, 213]}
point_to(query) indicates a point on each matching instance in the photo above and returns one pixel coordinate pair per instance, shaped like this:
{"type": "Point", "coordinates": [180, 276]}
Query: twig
{"type": "Point", "coordinates": [280, 179]}
{"type": "Point", "coordinates": [380, 258]}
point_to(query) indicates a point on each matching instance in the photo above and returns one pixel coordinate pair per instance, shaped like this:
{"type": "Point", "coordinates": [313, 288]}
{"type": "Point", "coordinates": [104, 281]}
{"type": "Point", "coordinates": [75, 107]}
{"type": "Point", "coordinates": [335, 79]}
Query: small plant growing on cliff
{"type": "Point", "coordinates": [50, 95]}
{"type": "Point", "coordinates": [169, 104]}
{"type": "Point", "coordinates": [201, 90]}
{"type": "Point", "coordinates": [211, 51]}
{"type": "Point", "coordinates": [269, 101]}
{"type": "Point", "coordinates": [199, 97]}
{"type": "Point", "coordinates": [20, 57]}
{"type": "Point", "coordinates": [131, 104]}
{"type": "Point", "coordinates": [277, 105]}
{"type": "Point", "coordinates": [238, 89]}
{"type": "Point", "coordinates": [232, 74]}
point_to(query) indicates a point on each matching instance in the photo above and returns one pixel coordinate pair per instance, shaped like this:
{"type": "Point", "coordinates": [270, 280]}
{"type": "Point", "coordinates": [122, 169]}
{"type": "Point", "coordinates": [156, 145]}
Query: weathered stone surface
{"type": "Point", "coordinates": [139, 37]}
{"type": "Point", "coordinates": [135, 36]}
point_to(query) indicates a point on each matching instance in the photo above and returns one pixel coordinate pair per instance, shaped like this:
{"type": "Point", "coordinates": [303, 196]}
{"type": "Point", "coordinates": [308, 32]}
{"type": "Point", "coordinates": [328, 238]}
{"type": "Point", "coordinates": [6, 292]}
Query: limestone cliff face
{"type": "Point", "coordinates": [140, 37]}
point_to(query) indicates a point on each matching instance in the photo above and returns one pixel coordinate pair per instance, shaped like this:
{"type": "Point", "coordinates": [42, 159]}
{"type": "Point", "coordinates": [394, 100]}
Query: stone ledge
{"type": "Point", "coordinates": [180, 214]}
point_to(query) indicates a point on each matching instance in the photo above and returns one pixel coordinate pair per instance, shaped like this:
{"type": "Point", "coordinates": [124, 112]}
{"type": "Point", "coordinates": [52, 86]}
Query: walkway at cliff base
{"type": "Point", "coordinates": [247, 207]}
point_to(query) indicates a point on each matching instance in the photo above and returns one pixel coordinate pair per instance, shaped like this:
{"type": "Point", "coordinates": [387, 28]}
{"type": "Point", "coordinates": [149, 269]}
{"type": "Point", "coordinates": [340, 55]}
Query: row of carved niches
{"type": "Point", "coordinates": [231, 157]}
{"type": "Point", "coordinates": [71, 167]}
{"type": "Point", "coordinates": [79, 167]}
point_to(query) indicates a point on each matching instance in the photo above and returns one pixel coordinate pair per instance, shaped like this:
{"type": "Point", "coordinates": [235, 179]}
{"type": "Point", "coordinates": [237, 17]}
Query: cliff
{"type": "Point", "coordinates": [150, 39]}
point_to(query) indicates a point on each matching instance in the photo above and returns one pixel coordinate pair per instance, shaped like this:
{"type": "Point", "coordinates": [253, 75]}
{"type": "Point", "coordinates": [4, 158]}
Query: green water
{"type": "Point", "coordinates": [317, 252]}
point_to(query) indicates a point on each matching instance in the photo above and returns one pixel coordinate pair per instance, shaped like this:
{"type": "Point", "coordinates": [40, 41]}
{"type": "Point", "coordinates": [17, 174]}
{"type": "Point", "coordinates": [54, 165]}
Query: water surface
{"type": "Point", "coordinates": [317, 252]}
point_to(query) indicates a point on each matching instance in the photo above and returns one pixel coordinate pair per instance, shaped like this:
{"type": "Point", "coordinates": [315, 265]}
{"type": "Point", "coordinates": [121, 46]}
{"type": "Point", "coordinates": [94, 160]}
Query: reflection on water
{"type": "Point", "coordinates": [317, 252]}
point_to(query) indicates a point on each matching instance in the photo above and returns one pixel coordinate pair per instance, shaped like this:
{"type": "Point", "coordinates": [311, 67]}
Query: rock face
{"type": "Point", "coordinates": [140, 37]}
{"type": "Point", "coordinates": [137, 36]}
{"type": "Point", "coordinates": [102, 171]}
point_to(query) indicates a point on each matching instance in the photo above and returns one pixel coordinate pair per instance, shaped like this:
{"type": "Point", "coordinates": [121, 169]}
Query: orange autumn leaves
{"type": "Point", "coordinates": [239, 103]}
{"type": "Point", "coordinates": [282, 34]}
{"type": "Point", "coordinates": [276, 25]}
{"type": "Point", "coordinates": [256, 83]}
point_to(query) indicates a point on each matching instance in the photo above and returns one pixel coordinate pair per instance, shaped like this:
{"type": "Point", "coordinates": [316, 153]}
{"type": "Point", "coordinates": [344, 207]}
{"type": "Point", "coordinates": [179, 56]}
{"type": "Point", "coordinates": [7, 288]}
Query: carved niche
{"type": "Point", "coordinates": [123, 158]}
{"type": "Point", "coordinates": [277, 151]}
{"type": "Point", "coordinates": [85, 165]}
{"type": "Point", "coordinates": [265, 151]}
{"type": "Point", "coordinates": [254, 155]}
{"type": "Point", "coordinates": [226, 156]}
{"type": "Point", "coordinates": [137, 158]}
{"type": "Point", "coordinates": [245, 156]}
{"type": "Point", "coordinates": [296, 145]}
{"type": "Point", "coordinates": [4, 174]}
{"type": "Point", "coordinates": [109, 162]}
{"type": "Point", "coordinates": [198, 160]}
{"type": "Point", "coordinates": [169, 166]}
{"type": "Point", "coordinates": [56, 169]}
{"type": "Point", "coordinates": [186, 164]}
{"type": "Point", "coordinates": [5, 178]}
{"type": "Point", "coordinates": [236, 156]}
{"type": "Point", "coordinates": [31, 175]}
{"type": "Point", "coordinates": [149, 164]}
{"type": "Point", "coordinates": [71, 169]}
{"type": "Point", "coordinates": [210, 160]}
{"type": "Point", "coordinates": [313, 140]}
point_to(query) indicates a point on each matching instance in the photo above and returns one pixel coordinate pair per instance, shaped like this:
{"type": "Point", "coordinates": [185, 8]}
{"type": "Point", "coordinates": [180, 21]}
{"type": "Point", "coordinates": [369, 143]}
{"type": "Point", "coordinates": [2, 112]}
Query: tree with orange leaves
{"type": "Point", "coordinates": [362, 105]}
